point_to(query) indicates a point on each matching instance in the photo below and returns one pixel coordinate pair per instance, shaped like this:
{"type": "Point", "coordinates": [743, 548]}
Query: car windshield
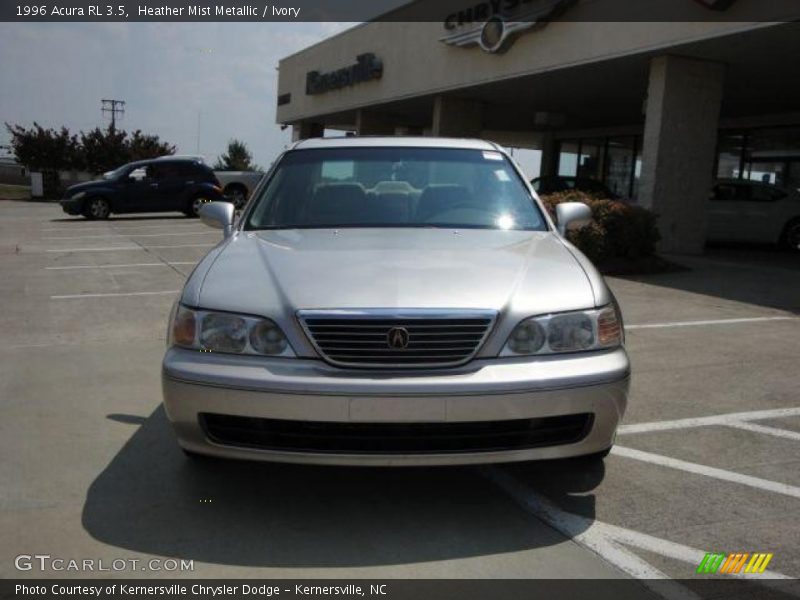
{"type": "Point", "coordinates": [116, 173]}
{"type": "Point", "coordinates": [395, 187]}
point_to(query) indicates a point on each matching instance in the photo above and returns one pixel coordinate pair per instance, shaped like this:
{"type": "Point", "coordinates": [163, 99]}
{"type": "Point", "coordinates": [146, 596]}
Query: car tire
{"type": "Point", "coordinates": [790, 238]}
{"type": "Point", "coordinates": [193, 209]}
{"type": "Point", "coordinates": [96, 209]}
{"type": "Point", "coordinates": [237, 195]}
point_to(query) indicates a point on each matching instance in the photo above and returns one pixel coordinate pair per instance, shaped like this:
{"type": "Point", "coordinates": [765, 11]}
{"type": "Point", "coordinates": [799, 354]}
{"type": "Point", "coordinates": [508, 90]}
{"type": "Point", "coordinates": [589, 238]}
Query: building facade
{"type": "Point", "coordinates": [654, 109]}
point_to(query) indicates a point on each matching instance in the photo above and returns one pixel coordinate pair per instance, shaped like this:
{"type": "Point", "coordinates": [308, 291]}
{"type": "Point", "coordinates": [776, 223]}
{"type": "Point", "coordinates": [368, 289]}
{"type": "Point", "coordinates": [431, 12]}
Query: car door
{"type": "Point", "coordinates": [762, 213]}
{"type": "Point", "coordinates": [724, 206]}
{"type": "Point", "coordinates": [175, 178]}
{"type": "Point", "coordinates": [141, 188]}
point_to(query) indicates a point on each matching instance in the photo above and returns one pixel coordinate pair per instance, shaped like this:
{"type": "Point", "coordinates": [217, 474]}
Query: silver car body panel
{"type": "Point", "coordinates": [513, 274]}
{"type": "Point", "coordinates": [482, 390]}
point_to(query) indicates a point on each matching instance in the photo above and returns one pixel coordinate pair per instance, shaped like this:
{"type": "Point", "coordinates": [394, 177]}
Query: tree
{"type": "Point", "coordinates": [42, 149]}
{"type": "Point", "coordinates": [238, 158]}
{"type": "Point", "coordinates": [142, 146]}
{"type": "Point", "coordinates": [96, 151]}
{"type": "Point", "coordinates": [104, 150]}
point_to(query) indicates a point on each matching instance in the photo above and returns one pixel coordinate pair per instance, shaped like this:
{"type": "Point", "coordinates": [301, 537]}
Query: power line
{"type": "Point", "coordinates": [114, 107]}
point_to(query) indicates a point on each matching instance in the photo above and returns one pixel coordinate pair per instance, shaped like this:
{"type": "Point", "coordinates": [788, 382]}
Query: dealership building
{"type": "Point", "coordinates": [655, 98]}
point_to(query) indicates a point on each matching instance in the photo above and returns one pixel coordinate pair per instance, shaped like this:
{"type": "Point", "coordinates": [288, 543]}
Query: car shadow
{"type": "Point", "coordinates": [154, 500]}
{"type": "Point", "coordinates": [752, 274]}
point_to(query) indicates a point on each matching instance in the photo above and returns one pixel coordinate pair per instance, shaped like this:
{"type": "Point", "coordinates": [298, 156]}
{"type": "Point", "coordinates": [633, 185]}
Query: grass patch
{"type": "Point", "coordinates": [14, 192]}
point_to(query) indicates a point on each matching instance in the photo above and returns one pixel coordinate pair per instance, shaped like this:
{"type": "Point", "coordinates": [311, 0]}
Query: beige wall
{"type": "Point", "coordinates": [417, 63]}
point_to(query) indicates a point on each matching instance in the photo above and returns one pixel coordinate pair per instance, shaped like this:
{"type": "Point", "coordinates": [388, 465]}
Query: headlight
{"type": "Point", "coordinates": [78, 196]}
{"type": "Point", "coordinates": [578, 331]}
{"type": "Point", "coordinates": [211, 331]}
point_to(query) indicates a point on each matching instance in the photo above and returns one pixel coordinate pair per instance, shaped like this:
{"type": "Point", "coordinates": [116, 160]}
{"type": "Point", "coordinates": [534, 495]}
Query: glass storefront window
{"type": "Point", "coordinates": [568, 158]}
{"type": "Point", "coordinates": [637, 171]}
{"type": "Point", "coordinates": [729, 159]}
{"type": "Point", "coordinates": [619, 164]}
{"type": "Point", "coordinates": [614, 161]}
{"type": "Point", "coordinates": [770, 155]}
{"type": "Point", "coordinates": [591, 159]}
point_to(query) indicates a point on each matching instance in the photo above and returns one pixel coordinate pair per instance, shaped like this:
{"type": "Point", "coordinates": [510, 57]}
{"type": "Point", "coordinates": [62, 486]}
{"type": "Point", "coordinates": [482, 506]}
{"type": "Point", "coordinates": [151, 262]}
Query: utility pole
{"type": "Point", "coordinates": [114, 107]}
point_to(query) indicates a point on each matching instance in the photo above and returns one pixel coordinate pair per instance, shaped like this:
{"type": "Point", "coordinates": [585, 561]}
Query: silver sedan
{"type": "Point", "coordinates": [395, 301]}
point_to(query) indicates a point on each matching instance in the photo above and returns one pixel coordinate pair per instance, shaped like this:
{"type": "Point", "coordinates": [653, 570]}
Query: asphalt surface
{"type": "Point", "coordinates": [90, 469]}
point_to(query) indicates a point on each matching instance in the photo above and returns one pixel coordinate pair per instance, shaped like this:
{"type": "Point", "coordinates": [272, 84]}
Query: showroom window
{"type": "Point", "coordinates": [615, 161]}
{"type": "Point", "coordinates": [769, 155]}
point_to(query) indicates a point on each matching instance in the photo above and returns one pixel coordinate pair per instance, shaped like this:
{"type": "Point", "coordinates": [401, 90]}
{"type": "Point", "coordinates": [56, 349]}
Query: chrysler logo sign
{"type": "Point", "coordinates": [493, 25]}
{"type": "Point", "coordinates": [397, 338]}
{"type": "Point", "coordinates": [497, 32]}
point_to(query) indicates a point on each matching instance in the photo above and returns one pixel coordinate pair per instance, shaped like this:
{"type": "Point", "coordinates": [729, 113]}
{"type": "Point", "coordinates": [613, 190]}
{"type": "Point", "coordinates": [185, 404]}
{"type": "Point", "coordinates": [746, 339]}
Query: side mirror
{"type": "Point", "coordinates": [575, 214]}
{"type": "Point", "coordinates": [218, 215]}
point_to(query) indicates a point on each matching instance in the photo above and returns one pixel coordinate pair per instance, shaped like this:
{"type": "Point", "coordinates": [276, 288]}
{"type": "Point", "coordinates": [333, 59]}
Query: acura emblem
{"type": "Point", "coordinates": [397, 338]}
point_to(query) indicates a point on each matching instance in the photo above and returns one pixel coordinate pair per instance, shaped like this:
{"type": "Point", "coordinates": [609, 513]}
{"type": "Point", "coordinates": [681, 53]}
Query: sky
{"type": "Point", "coordinates": [196, 85]}
{"type": "Point", "coordinates": [178, 79]}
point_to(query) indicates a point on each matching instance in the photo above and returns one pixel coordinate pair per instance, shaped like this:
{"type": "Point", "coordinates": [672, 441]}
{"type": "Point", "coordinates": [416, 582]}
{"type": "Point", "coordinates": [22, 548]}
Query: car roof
{"type": "Point", "coordinates": [195, 160]}
{"type": "Point", "coordinates": [394, 142]}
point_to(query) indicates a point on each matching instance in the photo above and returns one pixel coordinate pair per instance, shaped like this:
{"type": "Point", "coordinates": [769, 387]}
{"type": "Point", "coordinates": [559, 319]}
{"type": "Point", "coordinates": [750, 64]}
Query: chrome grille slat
{"type": "Point", "coordinates": [436, 338]}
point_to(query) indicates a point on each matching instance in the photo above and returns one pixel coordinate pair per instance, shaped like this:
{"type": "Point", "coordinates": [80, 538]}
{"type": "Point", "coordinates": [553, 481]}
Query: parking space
{"type": "Point", "coordinates": [707, 460]}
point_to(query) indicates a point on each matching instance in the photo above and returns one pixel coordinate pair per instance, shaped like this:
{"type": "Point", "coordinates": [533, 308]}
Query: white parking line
{"type": "Point", "coordinates": [110, 248]}
{"type": "Point", "coordinates": [581, 530]}
{"type": "Point", "coordinates": [725, 419]}
{"type": "Point", "coordinates": [181, 246]}
{"type": "Point", "coordinates": [686, 554]}
{"type": "Point", "coordinates": [781, 433]}
{"type": "Point", "coordinates": [113, 295]}
{"type": "Point", "coordinates": [116, 227]}
{"type": "Point", "coordinates": [698, 469]}
{"type": "Point", "coordinates": [158, 264]}
{"type": "Point", "coordinates": [138, 235]}
{"type": "Point", "coordinates": [709, 322]}
{"type": "Point", "coordinates": [607, 540]}
{"type": "Point", "coordinates": [105, 249]}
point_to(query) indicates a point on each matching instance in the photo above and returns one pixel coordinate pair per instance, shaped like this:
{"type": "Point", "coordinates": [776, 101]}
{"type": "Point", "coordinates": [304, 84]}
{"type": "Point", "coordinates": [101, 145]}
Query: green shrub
{"type": "Point", "coordinates": [618, 230]}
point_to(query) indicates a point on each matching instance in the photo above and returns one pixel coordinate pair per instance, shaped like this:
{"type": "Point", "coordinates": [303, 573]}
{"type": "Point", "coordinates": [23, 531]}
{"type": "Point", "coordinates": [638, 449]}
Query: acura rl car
{"type": "Point", "coordinates": [395, 301]}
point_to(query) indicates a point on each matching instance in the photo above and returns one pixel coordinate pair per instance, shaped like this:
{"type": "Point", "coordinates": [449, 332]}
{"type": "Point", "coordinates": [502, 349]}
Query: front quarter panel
{"type": "Point", "coordinates": [191, 289]}
{"type": "Point", "coordinates": [602, 295]}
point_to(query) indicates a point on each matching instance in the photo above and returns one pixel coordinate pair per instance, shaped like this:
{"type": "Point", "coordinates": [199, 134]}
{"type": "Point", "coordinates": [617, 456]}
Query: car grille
{"type": "Point", "coordinates": [398, 438]}
{"type": "Point", "coordinates": [369, 338]}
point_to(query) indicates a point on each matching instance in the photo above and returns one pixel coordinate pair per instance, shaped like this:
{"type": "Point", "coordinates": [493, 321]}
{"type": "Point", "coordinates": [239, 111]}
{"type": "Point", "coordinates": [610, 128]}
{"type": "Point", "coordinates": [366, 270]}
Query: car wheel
{"type": "Point", "coordinates": [97, 208]}
{"type": "Point", "coordinates": [790, 239]}
{"type": "Point", "coordinates": [195, 204]}
{"type": "Point", "coordinates": [237, 196]}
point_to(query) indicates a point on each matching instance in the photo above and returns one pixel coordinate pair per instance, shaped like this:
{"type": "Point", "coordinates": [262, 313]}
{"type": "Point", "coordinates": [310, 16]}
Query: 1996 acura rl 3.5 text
{"type": "Point", "coordinates": [395, 301]}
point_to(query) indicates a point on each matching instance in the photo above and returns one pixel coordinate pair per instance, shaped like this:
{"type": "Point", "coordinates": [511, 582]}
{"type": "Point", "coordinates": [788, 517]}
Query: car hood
{"type": "Point", "coordinates": [274, 273]}
{"type": "Point", "coordinates": [87, 185]}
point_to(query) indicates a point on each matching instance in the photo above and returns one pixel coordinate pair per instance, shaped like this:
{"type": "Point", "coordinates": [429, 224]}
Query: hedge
{"type": "Point", "coordinates": [618, 230]}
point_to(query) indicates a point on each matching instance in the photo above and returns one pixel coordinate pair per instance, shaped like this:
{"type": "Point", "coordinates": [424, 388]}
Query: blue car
{"type": "Point", "coordinates": [164, 184]}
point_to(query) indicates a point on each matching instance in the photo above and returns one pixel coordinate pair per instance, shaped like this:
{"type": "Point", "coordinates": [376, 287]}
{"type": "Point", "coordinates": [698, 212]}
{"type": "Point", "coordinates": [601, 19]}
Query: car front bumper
{"type": "Point", "coordinates": [70, 206]}
{"type": "Point", "coordinates": [306, 391]}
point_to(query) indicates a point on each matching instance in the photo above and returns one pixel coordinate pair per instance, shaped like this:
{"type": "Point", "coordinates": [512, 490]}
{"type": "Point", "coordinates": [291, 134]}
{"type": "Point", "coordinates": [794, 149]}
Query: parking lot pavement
{"type": "Point", "coordinates": [707, 460]}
